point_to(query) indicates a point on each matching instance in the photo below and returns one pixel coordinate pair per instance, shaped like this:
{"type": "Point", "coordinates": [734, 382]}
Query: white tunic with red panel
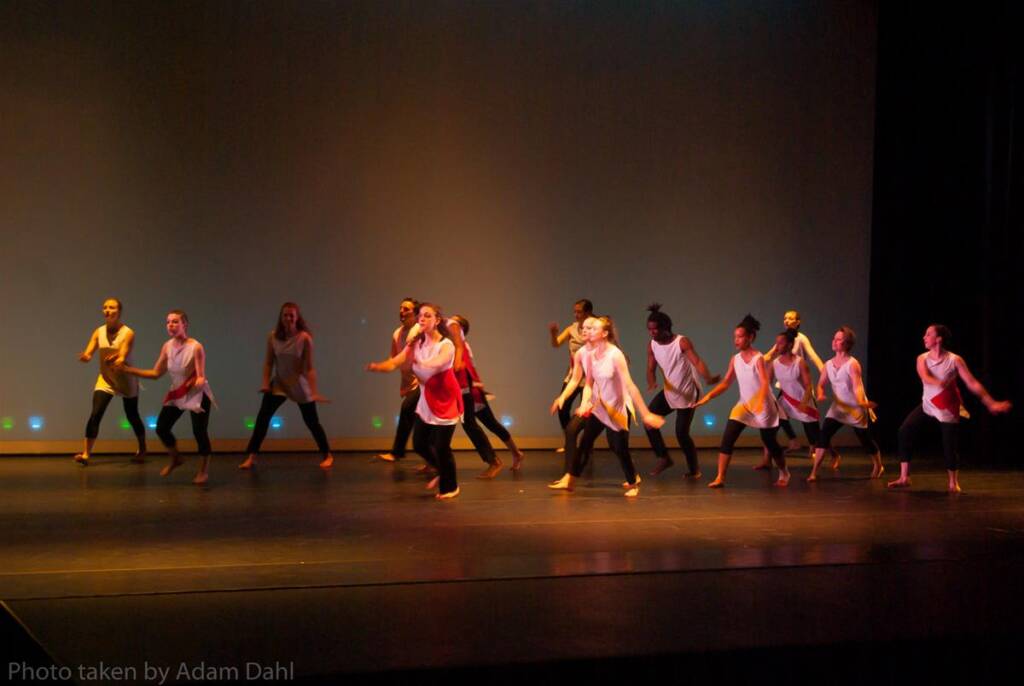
{"type": "Point", "coordinates": [181, 366]}
{"type": "Point", "coordinates": [797, 401]}
{"type": "Point", "coordinates": [943, 401]}
{"type": "Point", "coordinates": [440, 397]}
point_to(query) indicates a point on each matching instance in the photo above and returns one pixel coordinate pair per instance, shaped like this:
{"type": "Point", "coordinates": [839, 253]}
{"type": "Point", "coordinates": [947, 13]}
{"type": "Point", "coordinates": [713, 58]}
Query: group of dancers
{"type": "Point", "coordinates": [440, 388]}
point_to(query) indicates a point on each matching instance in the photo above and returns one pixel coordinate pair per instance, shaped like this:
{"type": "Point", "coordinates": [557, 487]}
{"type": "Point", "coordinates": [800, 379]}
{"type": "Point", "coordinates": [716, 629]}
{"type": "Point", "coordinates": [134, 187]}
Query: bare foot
{"type": "Point", "coordinates": [633, 492]}
{"type": "Point", "coordinates": [492, 470]}
{"type": "Point", "coordinates": [836, 459]}
{"type": "Point", "coordinates": [139, 457]}
{"type": "Point", "coordinates": [424, 469]}
{"type": "Point", "coordinates": [765, 463]}
{"type": "Point", "coordinates": [955, 488]}
{"type": "Point", "coordinates": [82, 459]}
{"type": "Point", "coordinates": [249, 463]}
{"type": "Point", "coordinates": [385, 457]}
{"type": "Point", "coordinates": [717, 483]}
{"type": "Point", "coordinates": [783, 479]}
{"type": "Point", "coordinates": [432, 484]}
{"type": "Point", "coordinates": [174, 464]}
{"type": "Point", "coordinates": [693, 476]}
{"type": "Point", "coordinates": [201, 478]}
{"type": "Point", "coordinates": [663, 464]}
{"type": "Point", "coordinates": [899, 483]}
{"type": "Point", "coordinates": [517, 460]}
{"type": "Point", "coordinates": [559, 450]}
{"type": "Point", "coordinates": [448, 495]}
{"type": "Point", "coordinates": [794, 446]}
{"type": "Point", "coordinates": [563, 484]}
{"type": "Point", "coordinates": [327, 462]}
{"type": "Point", "coordinates": [878, 471]}
{"type": "Point", "coordinates": [812, 478]}
{"type": "Point", "coordinates": [626, 484]}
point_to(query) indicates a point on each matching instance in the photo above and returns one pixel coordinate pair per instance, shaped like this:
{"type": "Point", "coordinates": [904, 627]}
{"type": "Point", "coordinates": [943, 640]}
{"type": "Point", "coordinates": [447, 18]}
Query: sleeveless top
{"type": "Point", "coordinates": [111, 380]}
{"type": "Point", "coordinates": [181, 365]}
{"type": "Point", "coordinates": [943, 402]}
{"type": "Point", "coordinates": [681, 386]}
{"type": "Point", "coordinates": [796, 400]}
{"type": "Point", "coordinates": [576, 341]}
{"type": "Point", "coordinates": [764, 417]}
{"type": "Point", "coordinates": [609, 395]}
{"type": "Point", "coordinates": [289, 376]}
{"type": "Point", "coordinates": [440, 401]}
{"type": "Point", "coordinates": [844, 406]}
{"type": "Point", "coordinates": [408, 382]}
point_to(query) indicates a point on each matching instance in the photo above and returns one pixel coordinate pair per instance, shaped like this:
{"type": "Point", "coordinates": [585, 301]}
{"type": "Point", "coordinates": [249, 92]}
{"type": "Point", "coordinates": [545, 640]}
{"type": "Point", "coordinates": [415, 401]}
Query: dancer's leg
{"type": "Point", "coordinates": [268, 406]}
{"type": "Point", "coordinates": [100, 400]}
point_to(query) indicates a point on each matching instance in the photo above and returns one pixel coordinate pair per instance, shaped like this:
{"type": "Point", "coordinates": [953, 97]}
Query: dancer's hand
{"type": "Point", "coordinates": [584, 410]}
{"type": "Point", "coordinates": [1000, 406]}
{"type": "Point", "coordinates": [553, 328]}
{"type": "Point", "coordinates": [702, 401]}
{"type": "Point", "coordinates": [556, 406]}
{"type": "Point", "coordinates": [820, 395]}
{"type": "Point", "coordinates": [654, 421]}
{"type": "Point", "coordinates": [373, 367]}
{"type": "Point", "coordinates": [198, 382]}
{"type": "Point", "coordinates": [715, 379]}
{"type": "Point", "coordinates": [651, 385]}
{"type": "Point", "coordinates": [84, 357]}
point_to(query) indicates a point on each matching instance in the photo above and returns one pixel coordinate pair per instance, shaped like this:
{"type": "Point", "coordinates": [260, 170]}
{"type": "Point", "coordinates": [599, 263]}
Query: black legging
{"type": "Point", "coordinates": [270, 404]}
{"type": "Point", "coordinates": [487, 418]}
{"type": "Point", "coordinates": [100, 400]}
{"type": "Point", "coordinates": [916, 422]}
{"type": "Point", "coordinates": [572, 432]}
{"type": "Point", "coordinates": [200, 423]}
{"type": "Point", "coordinates": [831, 426]}
{"type": "Point", "coordinates": [476, 435]}
{"type": "Point", "coordinates": [618, 441]}
{"type": "Point", "coordinates": [684, 417]}
{"type": "Point", "coordinates": [734, 428]}
{"type": "Point", "coordinates": [406, 419]}
{"type": "Point", "coordinates": [565, 412]}
{"type": "Point", "coordinates": [434, 444]}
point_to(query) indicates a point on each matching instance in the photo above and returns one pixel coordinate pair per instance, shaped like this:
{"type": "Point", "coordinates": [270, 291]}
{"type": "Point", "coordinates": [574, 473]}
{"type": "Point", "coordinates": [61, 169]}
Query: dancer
{"type": "Point", "coordinates": [290, 357]}
{"type": "Point", "coordinates": [850, 404]}
{"type": "Point", "coordinates": [757, 407]}
{"type": "Point", "coordinates": [476, 435]}
{"type": "Point", "coordinates": [409, 387]}
{"type": "Point", "coordinates": [439, 409]}
{"type": "Point", "coordinates": [113, 343]}
{"type": "Point", "coordinates": [802, 348]}
{"type": "Point", "coordinates": [476, 397]}
{"type": "Point", "coordinates": [680, 364]}
{"type": "Point", "coordinates": [796, 394]}
{"type": "Point", "coordinates": [939, 370]}
{"type": "Point", "coordinates": [572, 335]}
{"type": "Point", "coordinates": [184, 358]}
{"type": "Point", "coordinates": [606, 407]}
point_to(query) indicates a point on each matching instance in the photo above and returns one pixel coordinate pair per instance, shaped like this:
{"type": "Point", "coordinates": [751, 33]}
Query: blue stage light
{"type": "Point", "coordinates": [36, 423]}
{"type": "Point", "coordinates": [276, 423]}
{"type": "Point", "coordinates": [709, 420]}
{"type": "Point", "coordinates": [151, 422]}
{"type": "Point", "coordinates": [507, 421]}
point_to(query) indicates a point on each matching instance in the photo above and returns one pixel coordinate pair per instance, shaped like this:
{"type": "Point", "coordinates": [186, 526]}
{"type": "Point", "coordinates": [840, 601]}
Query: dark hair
{"type": "Point", "coordinates": [790, 335]}
{"type": "Point", "coordinates": [849, 337]}
{"type": "Point", "coordinates": [300, 323]}
{"type": "Point", "coordinates": [588, 307]}
{"type": "Point", "coordinates": [750, 325]}
{"type": "Point", "coordinates": [441, 327]}
{"type": "Point", "coordinates": [414, 301]}
{"type": "Point", "coordinates": [180, 313]}
{"type": "Point", "coordinates": [662, 320]}
{"type": "Point", "coordinates": [462, 322]}
{"type": "Point", "coordinates": [943, 332]}
{"type": "Point", "coordinates": [120, 307]}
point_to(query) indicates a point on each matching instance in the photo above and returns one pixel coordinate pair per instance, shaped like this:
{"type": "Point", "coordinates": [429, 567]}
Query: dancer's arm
{"type": "Point", "coordinates": [819, 392]}
{"type": "Point", "coordinates": [158, 370]}
{"type": "Point", "coordinates": [558, 339]}
{"type": "Point", "coordinates": [392, 363]}
{"type": "Point", "coordinates": [574, 383]}
{"type": "Point", "coordinates": [722, 386]}
{"type": "Point", "coordinates": [926, 376]}
{"type": "Point", "coordinates": [125, 350]}
{"type": "Point", "coordinates": [200, 360]}
{"type": "Point", "coordinates": [268, 365]}
{"type": "Point", "coordinates": [310, 370]}
{"type": "Point", "coordinates": [762, 393]}
{"type": "Point", "coordinates": [585, 405]}
{"type": "Point", "coordinates": [805, 379]}
{"type": "Point", "coordinates": [858, 384]}
{"type": "Point", "coordinates": [994, 406]}
{"type": "Point", "coordinates": [649, 419]}
{"type": "Point", "coordinates": [457, 337]}
{"type": "Point", "coordinates": [811, 353]}
{"type": "Point", "coordinates": [697, 361]}
{"type": "Point", "coordinates": [652, 368]}
{"type": "Point", "coordinates": [90, 348]}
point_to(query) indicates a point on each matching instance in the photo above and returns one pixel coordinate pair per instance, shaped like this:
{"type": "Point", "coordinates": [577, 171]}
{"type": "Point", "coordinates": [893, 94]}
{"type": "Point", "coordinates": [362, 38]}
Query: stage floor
{"type": "Point", "coordinates": [358, 571]}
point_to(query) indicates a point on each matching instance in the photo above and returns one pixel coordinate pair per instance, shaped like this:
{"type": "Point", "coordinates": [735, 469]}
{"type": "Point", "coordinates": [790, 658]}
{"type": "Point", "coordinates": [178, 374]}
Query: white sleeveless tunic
{"type": "Point", "coordinates": [609, 395]}
{"type": "Point", "coordinates": [181, 365]}
{"type": "Point", "coordinates": [111, 380]}
{"type": "Point", "coordinates": [845, 407]}
{"type": "Point", "coordinates": [681, 386]}
{"type": "Point", "coordinates": [788, 377]}
{"type": "Point", "coordinates": [289, 376]}
{"type": "Point", "coordinates": [767, 416]}
{"type": "Point", "coordinates": [421, 352]}
{"type": "Point", "coordinates": [936, 396]}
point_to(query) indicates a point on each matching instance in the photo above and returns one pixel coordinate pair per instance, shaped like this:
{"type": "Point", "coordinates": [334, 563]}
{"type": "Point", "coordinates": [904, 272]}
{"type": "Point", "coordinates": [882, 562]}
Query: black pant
{"type": "Point", "coordinates": [476, 435]}
{"type": "Point", "coordinates": [734, 428]}
{"type": "Point", "coordinates": [270, 404]}
{"type": "Point", "coordinates": [406, 419]}
{"type": "Point", "coordinates": [572, 432]}
{"type": "Point", "coordinates": [434, 444]}
{"type": "Point", "coordinates": [684, 417]}
{"type": "Point", "coordinates": [200, 423]}
{"type": "Point", "coordinates": [100, 400]}
{"type": "Point", "coordinates": [618, 441]}
{"type": "Point", "coordinates": [487, 418]}
{"type": "Point", "coordinates": [831, 426]}
{"type": "Point", "coordinates": [565, 413]}
{"type": "Point", "coordinates": [916, 422]}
